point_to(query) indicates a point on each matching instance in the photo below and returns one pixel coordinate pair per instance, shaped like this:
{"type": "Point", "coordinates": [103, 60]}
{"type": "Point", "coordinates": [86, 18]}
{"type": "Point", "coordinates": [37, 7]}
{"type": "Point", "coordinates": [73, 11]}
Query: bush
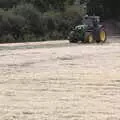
{"type": "Point", "coordinates": [25, 23]}
{"type": "Point", "coordinates": [11, 24]}
{"type": "Point", "coordinates": [63, 22]}
{"type": "Point", "coordinates": [34, 23]}
{"type": "Point", "coordinates": [8, 3]}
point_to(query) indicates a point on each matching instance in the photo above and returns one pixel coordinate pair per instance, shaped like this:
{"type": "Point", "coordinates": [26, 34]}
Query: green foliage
{"type": "Point", "coordinates": [8, 3]}
{"type": "Point", "coordinates": [32, 18]}
{"type": "Point", "coordinates": [104, 8]}
{"type": "Point", "coordinates": [45, 5]}
{"type": "Point", "coordinates": [23, 20]}
{"type": "Point", "coordinates": [61, 23]}
{"type": "Point", "coordinates": [39, 19]}
{"type": "Point", "coordinates": [11, 25]}
{"type": "Point", "coordinates": [69, 2]}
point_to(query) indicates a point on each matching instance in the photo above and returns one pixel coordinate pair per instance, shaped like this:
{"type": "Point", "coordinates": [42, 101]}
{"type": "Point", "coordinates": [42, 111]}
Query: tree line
{"type": "Point", "coordinates": [106, 8]}
{"type": "Point", "coordinates": [35, 20]}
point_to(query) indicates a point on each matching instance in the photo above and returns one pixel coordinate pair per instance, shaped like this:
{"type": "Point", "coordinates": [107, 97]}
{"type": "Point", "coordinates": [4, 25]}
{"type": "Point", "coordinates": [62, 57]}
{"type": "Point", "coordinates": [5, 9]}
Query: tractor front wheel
{"type": "Point", "coordinates": [89, 37]}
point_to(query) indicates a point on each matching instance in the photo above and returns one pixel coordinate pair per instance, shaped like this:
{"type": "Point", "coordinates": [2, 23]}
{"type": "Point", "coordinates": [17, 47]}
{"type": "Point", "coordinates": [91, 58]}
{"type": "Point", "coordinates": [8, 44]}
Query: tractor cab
{"type": "Point", "coordinates": [91, 21]}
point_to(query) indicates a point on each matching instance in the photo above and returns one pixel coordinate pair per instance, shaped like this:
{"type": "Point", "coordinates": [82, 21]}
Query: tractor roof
{"type": "Point", "coordinates": [92, 17]}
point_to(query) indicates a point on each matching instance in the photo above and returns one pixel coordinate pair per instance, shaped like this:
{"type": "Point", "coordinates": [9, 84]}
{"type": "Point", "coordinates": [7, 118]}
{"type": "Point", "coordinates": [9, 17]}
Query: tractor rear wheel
{"type": "Point", "coordinates": [102, 36]}
{"type": "Point", "coordinates": [89, 38]}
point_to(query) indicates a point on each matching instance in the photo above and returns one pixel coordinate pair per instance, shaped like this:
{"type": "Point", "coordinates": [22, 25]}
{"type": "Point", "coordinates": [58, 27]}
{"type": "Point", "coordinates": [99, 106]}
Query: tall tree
{"type": "Point", "coordinates": [104, 8]}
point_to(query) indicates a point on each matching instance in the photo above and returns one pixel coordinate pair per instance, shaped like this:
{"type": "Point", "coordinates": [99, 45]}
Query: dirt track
{"type": "Point", "coordinates": [59, 81]}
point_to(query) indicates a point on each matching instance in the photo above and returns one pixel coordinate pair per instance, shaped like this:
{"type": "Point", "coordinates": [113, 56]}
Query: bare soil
{"type": "Point", "coordinates": [60, 81]}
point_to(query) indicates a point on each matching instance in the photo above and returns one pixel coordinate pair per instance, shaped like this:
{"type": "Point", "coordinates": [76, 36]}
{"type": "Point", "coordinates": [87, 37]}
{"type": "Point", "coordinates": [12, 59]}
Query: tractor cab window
{"type": "Point", "coordinates": [88, 22]}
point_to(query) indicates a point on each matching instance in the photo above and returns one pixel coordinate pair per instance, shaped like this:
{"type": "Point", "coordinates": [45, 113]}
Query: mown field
{"type": "Point", "coordinates": [60, 81]}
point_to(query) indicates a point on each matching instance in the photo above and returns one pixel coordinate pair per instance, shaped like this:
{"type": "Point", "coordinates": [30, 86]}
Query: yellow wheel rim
{"type": "Point", "coordinates": [102, 36]}
{"type": "Point", "coordinates": [90, 38]}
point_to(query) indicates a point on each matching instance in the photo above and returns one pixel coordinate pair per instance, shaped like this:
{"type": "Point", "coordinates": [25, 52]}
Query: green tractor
{"type": "Point", "coordinates": [90, 31]}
